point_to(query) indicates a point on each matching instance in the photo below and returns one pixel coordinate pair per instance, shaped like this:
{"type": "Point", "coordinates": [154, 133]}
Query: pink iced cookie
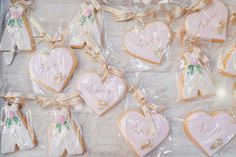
{"type": "Point", "coordinates": [134, 128]}
{"type": "Point", "coordinates": [209, 23]}
{"type": "Point", "coordinates": [210, 131]}
{"type": "Point", "coordinates": [101, 95]}
{"type": "Point", "coordinates": [53, 69]}
{"type": "Point", "coordinates": [149, 44]}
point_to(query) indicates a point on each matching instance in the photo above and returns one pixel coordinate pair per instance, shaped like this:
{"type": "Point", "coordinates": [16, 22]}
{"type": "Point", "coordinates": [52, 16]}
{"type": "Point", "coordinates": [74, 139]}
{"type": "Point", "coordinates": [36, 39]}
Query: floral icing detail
{"type": "Point", "coordinates": [194, 68]}
{"type": "Point", "coordinates": [61, 122]}
{"type": "Point", "coordinates": [87, 16]}
{"type": "Point", "coordinates": [16, 16]}
{"type": "Point", "coordinates": [11, 119]}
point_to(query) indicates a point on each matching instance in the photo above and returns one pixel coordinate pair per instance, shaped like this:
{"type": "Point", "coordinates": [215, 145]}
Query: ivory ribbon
{"type": "Point", "coordinates": [194, 7]}
{"type": "Point", "coordinates": [146, 107]}
{"type": "Point", "coordinates": [18, 98]}
{"type": "Point", "coordinates": [94, 52]}
{"type": "Point", "coordinates": [71, 99]}
{"type": "Point", "coordinates": [233, 18]}
{"type": "Point", "coordinates": [122, 15]}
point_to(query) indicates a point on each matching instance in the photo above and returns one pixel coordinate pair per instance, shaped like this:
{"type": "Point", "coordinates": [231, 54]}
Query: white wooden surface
{"type": "Point", "coordinates": [101, 135]}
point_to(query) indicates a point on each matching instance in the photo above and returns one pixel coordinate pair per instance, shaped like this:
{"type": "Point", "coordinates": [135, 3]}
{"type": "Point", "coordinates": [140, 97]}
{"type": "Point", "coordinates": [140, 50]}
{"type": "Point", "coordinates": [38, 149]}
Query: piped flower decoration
{"type": "Point", "coordinates": [87, 16]}
{"type": "Point", "coordinates": [11, 119]}
{"type": "Point", "coordinates": [62, 122]}
{"type": "Point", "coordinates": [16, 12]}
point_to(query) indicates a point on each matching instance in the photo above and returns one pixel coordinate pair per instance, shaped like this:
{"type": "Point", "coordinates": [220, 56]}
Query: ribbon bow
{"type": "Point", "coordinates": [194, 7]}
{"type": "Point", "coordinates": [146, 107]}
{"type": "Point", "coordinates": [121, 15]}
{"type": "Point", "coordinates": [72, 99]}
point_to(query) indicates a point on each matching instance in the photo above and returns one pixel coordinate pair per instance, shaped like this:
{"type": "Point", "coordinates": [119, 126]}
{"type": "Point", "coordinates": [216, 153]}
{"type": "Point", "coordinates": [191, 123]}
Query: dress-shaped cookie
{"type": "Point", "coordinates": [17, 32]}
{"type": "Point", "coordinates": [16, 131]}
{"type": "Point", "coordinates": [227, 63]}
{"type": "Point", "coordinates": [85, 25]}
{"type": "Point", "coordinates": [194, 78]}
{"type": "Point", "coordinates": [64, 135]}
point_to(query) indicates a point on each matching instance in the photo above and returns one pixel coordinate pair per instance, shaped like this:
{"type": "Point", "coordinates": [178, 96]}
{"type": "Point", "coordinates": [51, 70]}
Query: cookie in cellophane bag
{"type": "Point", "coordinates": [17, 132]}
{"type": "Point", "coordinates": [144, 126]}
{"type": "Point", "coordinates": [194, 78]}
{"type": "Point", "coordinates": [87, 23]}
{"type": "Point", "coordinates": [211, 130]}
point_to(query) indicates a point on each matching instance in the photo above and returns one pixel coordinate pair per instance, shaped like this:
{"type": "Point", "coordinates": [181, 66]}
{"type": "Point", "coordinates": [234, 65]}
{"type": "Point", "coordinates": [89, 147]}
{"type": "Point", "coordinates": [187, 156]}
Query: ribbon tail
{"type": "Point", "coordinates": [149, 119]}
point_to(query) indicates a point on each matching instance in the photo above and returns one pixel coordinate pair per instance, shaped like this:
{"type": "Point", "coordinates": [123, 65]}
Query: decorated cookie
{"type": "Point", "coordinates": [211, 132]}
{"type": "Point", "coordinates": [194, 78]}
{"type": "Point", "coordinates": [209, 23]}
{"type": "Point", "coordinates": [134, 127]}
{"type": "Point", "coordinates": [53, 69]}
{"type": "Point", "coordinates": [101, 95]}
{"type": "Point", "coordinates": [149, 44]}
{"type": "Point", "coordinates": [227, 64]}
{"type": "Point", "coordinates": [64, 136]}
{"type": "Point", "coordinates": [16, 132]}
{"type": "Point", "coordinates": [85, 23]}
{"type": "Point", "coordinates": [18, 30]}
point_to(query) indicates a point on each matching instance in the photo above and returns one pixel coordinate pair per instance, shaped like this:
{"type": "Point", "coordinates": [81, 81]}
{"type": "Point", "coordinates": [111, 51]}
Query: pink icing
{"type": "Point", "coordinates": [11, 114]}
{"type": "Point", "coordinates": [135, 129]}
{"type": "Point", "coordinates": [94, 91]}
{"type": "Point", "coordinates": [146, 43]}
{"type": "Point", "coordinates": [205, 23]}
{"type": "Point", "coordinates": [52, 69]}
{"type": "Point", "coordinates": [211, 132]}
{"type": "Point", "coordinates": [60, 119]}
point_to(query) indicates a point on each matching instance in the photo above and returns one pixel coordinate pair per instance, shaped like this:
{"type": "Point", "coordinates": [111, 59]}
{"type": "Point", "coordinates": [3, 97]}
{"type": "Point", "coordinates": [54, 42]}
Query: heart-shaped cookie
{"type": "Point", "coordinates": [149, 44]}
{"type": "Point", "coordinates": [133, 126]}
{"type": "Point", "coordinates": [210, 23]}
{"type": "Point", "coordinates": [211, 132]}
{"type": "Point", "coordinates": [54, 69]}
{"type": "Point", "coordinates": [101, 95]}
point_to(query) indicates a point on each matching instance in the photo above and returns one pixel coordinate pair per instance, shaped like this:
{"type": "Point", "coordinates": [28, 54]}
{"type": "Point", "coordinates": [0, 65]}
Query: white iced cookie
{"type": "Point", "coordinates": [16, 132]}
{"type": "Point", "coordinates": [194, 78]}
{"type": "Point", "coordinates": [211, 132]}
{"type": "Point", "coordinates": [209, 23]}
{"type": "Point", "coordinates": [149, 44]}
{"type": "Point", "coordinates": [53, 69]}
{"type": "Point", "coordinates": [101, 95]}
{"type": "Point", "coordinates": [64, 136]}
{"type": "Point", "coordinates": [134, 127]}
{"type": "Point", "coordinates": [86, 22]}
{"type": "Point", "coordinates": [18, 30]}
{"type": "Point", "coordinates": [227, 64]}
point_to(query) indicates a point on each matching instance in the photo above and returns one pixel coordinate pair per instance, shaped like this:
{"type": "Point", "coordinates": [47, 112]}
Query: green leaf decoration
{"type": "Point", "coordinates": [194, 68]}
{"type": "Point", "coordinates": [58, 126]}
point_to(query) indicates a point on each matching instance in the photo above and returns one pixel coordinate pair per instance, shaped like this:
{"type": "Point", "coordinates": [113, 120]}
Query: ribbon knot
{"type": "Point", "coordinates": [72, 99]}
{"type": "Point", "coordinates": [123, 15]}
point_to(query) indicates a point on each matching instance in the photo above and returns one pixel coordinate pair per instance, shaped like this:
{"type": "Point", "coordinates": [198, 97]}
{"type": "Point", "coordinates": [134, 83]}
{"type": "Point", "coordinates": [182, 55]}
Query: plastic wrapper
{"type": "Point", "coordinates": [194, 78]}
{"type": "Point", "coordinates": [226, 63]}
{"type": "Point", "coordinates": [145, 41]}
{"type": "Point", "coordinates": [17, 128]}
{"type": "Point", "coordinates": [143, 124]}
{"type": "Point", "coordinates": [17, 36]}
{"type": "Point", "coordinates": [64, 135]}
{"type": "Point", "coordinates": [52, 68]}
{"type": "Point", "coordinates": [86, 24]}
{"type": "Point", "coordinates": [210, 130]}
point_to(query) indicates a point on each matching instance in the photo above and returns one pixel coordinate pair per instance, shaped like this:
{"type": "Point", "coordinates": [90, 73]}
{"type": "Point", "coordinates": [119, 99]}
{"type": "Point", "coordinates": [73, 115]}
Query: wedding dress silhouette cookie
{"type": "Point", "coordinates": [194, 78]}
{"type": "Point", "coordinates": [16, 131]}
{"type": "Point", "coordinates": [18, 32]}
{"type": "Point", "coordinates": [86, 23]}
{"type": "Point", "coordinates": [64, 135]}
